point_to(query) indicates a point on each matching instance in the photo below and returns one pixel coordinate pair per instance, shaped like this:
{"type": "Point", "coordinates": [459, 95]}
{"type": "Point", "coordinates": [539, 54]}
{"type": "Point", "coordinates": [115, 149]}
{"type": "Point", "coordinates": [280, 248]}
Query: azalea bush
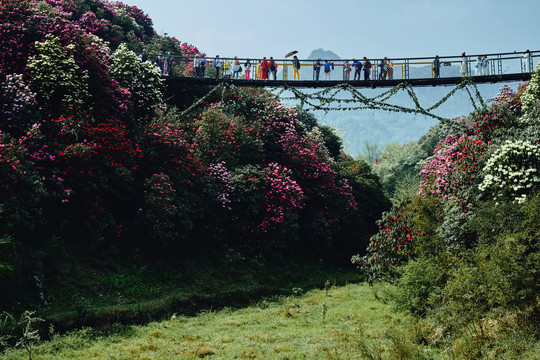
{"type": "Point", "coordinates": [141, 79]}
{"type": "Point", "coordinates": [19, 108]}
{"type": "Point", "coordinates": [58, 81]}
{"type": "Point", "coordinates": [233, 139]}
{"type": "Point", "coordinates": [512, 171]}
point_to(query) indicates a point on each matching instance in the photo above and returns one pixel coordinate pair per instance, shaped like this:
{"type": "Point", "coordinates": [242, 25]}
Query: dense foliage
{"type": "Point", "coordinates": [95, 162]}
{"type": "Point", "coordinates": [463, 251]}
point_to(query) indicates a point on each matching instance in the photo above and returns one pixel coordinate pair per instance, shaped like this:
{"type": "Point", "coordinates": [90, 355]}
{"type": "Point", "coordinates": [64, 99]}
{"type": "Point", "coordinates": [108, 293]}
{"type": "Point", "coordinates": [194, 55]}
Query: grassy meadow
{"type": "Point", "coordinates": [348, 322]}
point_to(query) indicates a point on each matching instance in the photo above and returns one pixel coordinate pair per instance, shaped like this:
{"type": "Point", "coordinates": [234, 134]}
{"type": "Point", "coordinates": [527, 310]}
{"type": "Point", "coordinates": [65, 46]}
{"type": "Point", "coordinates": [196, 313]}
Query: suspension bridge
{"type": "Point", "coordinates": [340, 88]}
{"type": "Point", "coordinates": [361, 72]}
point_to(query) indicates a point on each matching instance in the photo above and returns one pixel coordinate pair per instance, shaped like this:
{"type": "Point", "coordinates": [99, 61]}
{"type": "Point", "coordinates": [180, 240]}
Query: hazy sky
{"type": "Point", "coordinates": [349, 28]}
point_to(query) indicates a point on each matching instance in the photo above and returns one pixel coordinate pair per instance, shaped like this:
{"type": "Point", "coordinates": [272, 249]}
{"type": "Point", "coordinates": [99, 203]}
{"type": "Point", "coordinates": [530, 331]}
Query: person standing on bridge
{"type": "Point", "coordinates": [264, 69]}
{"type": "Point", "coordinates": [197, 66]}
{"type": "Point", "coordinates": [390, 70]}
{"type": "Point", "coordinates": [202, 65]}
{"type": "Point", "coordinates": [247, 65]}
{"type": "Point", "coordinates": [347, 70]}
{"type": "Point", "coordinates": [227, 71]}
{"type": "Point", "coordinates": [296, 68]}
{"type": "Point", "coordinates": [436, 67]}
{"type": "Point", "coordinates": [357, 65]}
{"type": "Point", "coordinates": [485, 65]}
{"type": "Point", "coordinates": [159, 61]}
{"type": "Point", "coordinates": [367, 68]}
{"type": "Point", "coordinates": [464, 68]}
{"type": "Point", "coordinates": [478, 68]}
{"type": "Point", "coordinates": [236, 68]}
{"type": "Point", "coordinates": [317, 69]}
{"type": "Point", "coordinates": [273, 68]}
{"type": "Point", "coordinates": [167, 64]}
{"type": "Point", "coordinates": [258, 70]}
{"type": "Point", "coordinates": [382, 69]}
{"type": "Point", "coordinates": [218, 64]}
{"type": "Point", "coordinates": [328, 67]}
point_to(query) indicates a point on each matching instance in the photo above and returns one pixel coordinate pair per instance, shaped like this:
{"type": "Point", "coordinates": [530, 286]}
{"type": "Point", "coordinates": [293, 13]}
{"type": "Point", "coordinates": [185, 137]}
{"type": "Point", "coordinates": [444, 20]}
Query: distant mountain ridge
{"type": "Point", "coordinates": [323, 54]}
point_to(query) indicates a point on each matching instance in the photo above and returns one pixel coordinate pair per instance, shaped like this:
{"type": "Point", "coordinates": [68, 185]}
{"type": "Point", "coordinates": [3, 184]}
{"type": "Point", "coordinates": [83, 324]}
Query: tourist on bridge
{"type": "Point", "coordinates": [167, 64]}
{"type": "Point", "coordinates": [258, 70]}
{"type": "Point", "coordinates": [197, 65]}
{"type": "Point", "coordinates": [464, 67]}
{"type": "Point", "coordinates": [485, 65]}
{"type": "Point", "coordinates": [236, 68]}
{"type": "Point", "coordinates": [296, 68]}
{"type": "Point", "coordinates": [159, 61]}
{"type": "Point", "coordinates": [479, 66]}
{"type": "Point", "coordinates": [525, 61]}
{"type": "Point", "coordinates": [227, 69]}
{"type": "Point", "coordinates": [202, 66]}
{"type": "Point", "coordinates": [317, 69]}
{"type": "Point", "coordinates": [347, 70]}
{"type": "Point", "coordinates": [328, 67]}
{"type": "Point", "coordinates": [247, 65]}
{"type": "Point", "coordinates": [390, 71]}
{"type": "Point", "coordinates": [382, 69]}
{"type": "Point", "coordinates": [273, 68]}
{"type": "Point", "coordinates": [264, 69]}
{"type": "Point", "coordinates": [367, 68]}
{"type": "Point", "coordinates": [357, 65]}
{"type": "Point", "coordinates": [436, 67]}
{"type": "Point", "coordinates": [218, 65]}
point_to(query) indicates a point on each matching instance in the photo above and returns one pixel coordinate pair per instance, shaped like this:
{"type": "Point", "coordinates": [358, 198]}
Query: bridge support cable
{"type": "Point", "coordinates": [326, 100]}
{"type": "Point", "coordinates": [323, 100]}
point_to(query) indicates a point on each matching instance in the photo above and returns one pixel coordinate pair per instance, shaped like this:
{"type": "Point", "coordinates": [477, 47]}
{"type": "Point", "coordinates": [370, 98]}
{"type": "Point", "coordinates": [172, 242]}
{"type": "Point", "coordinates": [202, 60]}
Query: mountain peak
{"type": "Point", "coordinates": [323, 54]}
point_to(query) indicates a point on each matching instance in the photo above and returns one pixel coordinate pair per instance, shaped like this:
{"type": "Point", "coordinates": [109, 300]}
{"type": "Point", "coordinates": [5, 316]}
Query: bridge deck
{"type": "Point", "coordinates": [185, 80]}
{"type": "Point", "coordinates": [444, 70]}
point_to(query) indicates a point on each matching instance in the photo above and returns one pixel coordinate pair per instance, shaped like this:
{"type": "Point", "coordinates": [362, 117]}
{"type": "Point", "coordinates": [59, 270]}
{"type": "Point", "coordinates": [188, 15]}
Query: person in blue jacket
{"type": "Point", "coordinates": [328, 67]}
{"type": "Point", "coordinates": [357, 65]}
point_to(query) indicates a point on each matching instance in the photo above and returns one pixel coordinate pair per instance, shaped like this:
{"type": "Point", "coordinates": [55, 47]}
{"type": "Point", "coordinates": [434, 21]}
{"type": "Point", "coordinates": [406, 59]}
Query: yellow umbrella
{"type": "Point", "coordinates": [291, 53]}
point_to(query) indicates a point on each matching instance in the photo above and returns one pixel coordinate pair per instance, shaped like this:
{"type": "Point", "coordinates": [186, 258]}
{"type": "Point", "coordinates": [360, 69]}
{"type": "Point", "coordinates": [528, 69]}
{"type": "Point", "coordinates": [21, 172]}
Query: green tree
{"type": "Point", "coordinates": [141, 79]}
{"type": "Point", "coordinates": [59, 82]}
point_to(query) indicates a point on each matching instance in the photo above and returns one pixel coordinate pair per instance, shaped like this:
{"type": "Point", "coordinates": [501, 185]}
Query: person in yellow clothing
{"type": "Point", "coordinates": [296, 68]}
{"type": "Point", "coordinates": [258, 70]}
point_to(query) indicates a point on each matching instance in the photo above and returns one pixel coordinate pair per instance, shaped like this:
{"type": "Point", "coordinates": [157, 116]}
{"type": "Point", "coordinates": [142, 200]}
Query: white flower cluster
{"type": "Point", "coordinates": [512, 170]}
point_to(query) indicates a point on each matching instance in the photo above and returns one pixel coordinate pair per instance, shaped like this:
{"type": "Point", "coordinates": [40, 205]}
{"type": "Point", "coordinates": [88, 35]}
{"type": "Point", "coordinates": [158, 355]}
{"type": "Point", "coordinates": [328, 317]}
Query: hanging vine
{"type": "Point", "coordinates": [326, 99]}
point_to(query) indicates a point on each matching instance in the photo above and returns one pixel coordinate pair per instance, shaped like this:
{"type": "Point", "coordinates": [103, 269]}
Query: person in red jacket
{"type": "Point", "coordinates": [264, 69]}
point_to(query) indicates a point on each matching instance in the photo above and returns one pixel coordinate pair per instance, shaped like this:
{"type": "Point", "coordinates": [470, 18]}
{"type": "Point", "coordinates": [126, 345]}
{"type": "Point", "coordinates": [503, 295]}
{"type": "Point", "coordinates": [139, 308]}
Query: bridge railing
{"type": "Point", "coordinates": [345, 69]}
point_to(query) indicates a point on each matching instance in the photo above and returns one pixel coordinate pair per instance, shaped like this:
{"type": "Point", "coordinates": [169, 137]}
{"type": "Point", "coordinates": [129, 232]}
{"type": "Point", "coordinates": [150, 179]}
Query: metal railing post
{"type": "Point", "coordinates": [407, 71]}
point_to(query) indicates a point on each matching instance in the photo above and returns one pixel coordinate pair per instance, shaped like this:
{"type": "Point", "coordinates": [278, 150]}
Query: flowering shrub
{"type": "Point", "coordinates": [531, 96]}
{"type": "Point", "coordinates": [21, 188]}
{"type": "Point", "coordinates": [143, 81]}
{"type": "Point", "coordinates": [18, 108]}
{"type": "Point", "coordinates": [512, 171]}
{"type": "Point", "coordinates": [392, 246]}
{"type": "Point", "coordinates": [283, 198]}
{"type": "Point", "coordinates": [452, 169]}
{"type": "Point", "coordinates": [160, 209]}
{"type": "Point", "coordinates": [57, 79]}
{"type": "Point", "coordinates": [166, 149]}
{"type": "Point", "coordinates": [220, 137]}
{"type": "Point", "coordinates": [222, 184]}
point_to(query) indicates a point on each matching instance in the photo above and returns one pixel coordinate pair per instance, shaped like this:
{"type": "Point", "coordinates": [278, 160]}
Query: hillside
{"type": "Point", "coordinates": [120, 206]}
{"type": "Point", "coordinates": [99, 167]}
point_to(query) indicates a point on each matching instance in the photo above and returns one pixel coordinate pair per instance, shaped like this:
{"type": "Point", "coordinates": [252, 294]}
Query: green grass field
{"type": "Point", "coordinates": [347, 322]}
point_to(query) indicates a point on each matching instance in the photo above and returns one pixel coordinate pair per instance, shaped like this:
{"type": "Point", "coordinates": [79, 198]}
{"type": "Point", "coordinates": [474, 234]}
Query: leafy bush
{"type": "Point", "coordinates": [141, 79]}
{"type": "Point", "coordinates": [419, 286]}
{"type": "Point", "coordinates": [59, 82]}
{"type": "Point", "coordinates": [19, 108]}
{"type": "Point", "coordinates": [512, 171]}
